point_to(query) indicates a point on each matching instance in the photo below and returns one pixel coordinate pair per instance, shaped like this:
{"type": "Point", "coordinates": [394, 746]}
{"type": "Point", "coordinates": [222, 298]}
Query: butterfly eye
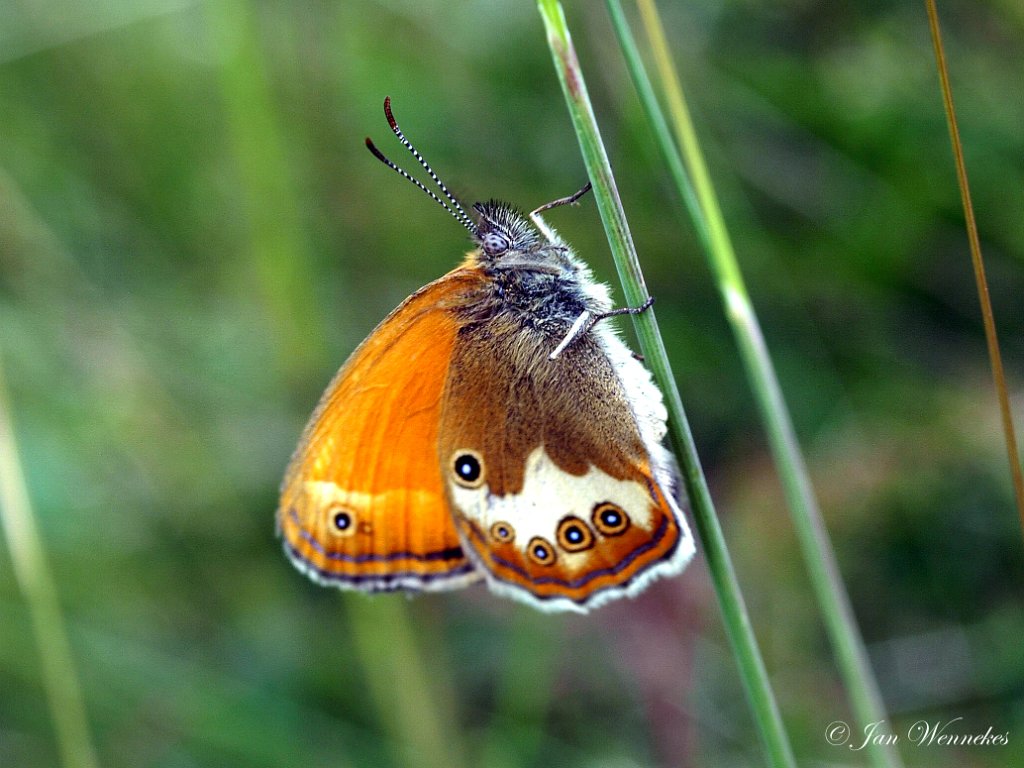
{"type": "Point", "coordinates": [574, 535]}
{"type": "Point", "coordinates": [540, 551]}
{"type": "Point", "coordinates": [343, 522]}
{"type": "Point", "coordinates": [469, 469]}
{"type": "Point", "coordinates": [495, 244]}
{"type": "Point", "coordinates": [610, 519]}
{"type": "Point", "coordinates": [502, 532]}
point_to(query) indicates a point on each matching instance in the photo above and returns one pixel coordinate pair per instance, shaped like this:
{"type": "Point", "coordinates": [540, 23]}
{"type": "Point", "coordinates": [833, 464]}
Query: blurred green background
{"type": "Point", "coordinates": [193, 238]}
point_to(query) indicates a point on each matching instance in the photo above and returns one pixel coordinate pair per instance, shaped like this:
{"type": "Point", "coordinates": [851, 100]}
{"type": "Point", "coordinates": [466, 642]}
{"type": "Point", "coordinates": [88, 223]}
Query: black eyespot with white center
{"type": "Point", "coordinates": [574, 535]}
{"type": "Point", "coordinates": [343, 521]}
{"type": "Point", "coordinates": [502, 532]}
{"type": "Point", "coordinates": [468, 468]}
{"type": "Point", "coordinates": [540, 551]}
{"type": "Point", "coordinates": [610, 519]}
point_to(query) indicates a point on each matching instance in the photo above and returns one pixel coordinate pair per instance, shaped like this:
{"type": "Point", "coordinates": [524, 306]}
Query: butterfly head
{"type": "Point", "coordinates": [504, 235]}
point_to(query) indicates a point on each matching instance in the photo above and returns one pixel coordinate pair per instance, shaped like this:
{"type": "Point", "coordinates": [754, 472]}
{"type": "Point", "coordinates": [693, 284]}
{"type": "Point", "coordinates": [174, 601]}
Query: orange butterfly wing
{"type": "Point", "coordinates": [362, 503]}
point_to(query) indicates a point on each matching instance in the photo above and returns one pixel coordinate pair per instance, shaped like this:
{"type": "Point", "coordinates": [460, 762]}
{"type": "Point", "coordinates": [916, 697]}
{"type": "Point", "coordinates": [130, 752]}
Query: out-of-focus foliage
{"type": "Point", "coordinates": [193, 237]}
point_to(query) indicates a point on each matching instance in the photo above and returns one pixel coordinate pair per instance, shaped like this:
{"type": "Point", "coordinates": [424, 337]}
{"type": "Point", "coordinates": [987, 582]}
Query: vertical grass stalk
{"type": "Point", "coordinates": [737, 623]}
{"type": "Point", "coordinates": [277, 251]}
{"type": "Point", "coordinates": [36, 583]}
{"type": "Point", "coordinates": [995, 359]}
{"type": "Point", "coordinates": [701, 200]}
{"type": "Point", "coordinates": [522, 699]}
{"type": "Point", "coordinates": [412, 708]}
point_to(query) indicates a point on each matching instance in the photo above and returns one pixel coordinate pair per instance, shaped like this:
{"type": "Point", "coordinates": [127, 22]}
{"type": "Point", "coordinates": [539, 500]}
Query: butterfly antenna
{"type": "Point", "coordinates": [455, 209]}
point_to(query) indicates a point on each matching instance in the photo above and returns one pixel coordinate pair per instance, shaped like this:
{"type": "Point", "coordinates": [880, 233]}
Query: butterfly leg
{"type": "Point", "coordinates": [570, 200]}
{"type": "Point", "coordinates": [588, 320]}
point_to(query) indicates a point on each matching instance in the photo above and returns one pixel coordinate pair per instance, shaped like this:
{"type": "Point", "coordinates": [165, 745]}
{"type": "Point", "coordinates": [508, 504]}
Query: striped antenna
{"type": "Point", "coordinates": [455, 209]}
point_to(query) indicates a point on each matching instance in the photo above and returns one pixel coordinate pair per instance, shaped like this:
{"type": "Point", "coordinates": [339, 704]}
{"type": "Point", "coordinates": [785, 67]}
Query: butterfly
{"type": "Point", "coordinates": [493, 427]}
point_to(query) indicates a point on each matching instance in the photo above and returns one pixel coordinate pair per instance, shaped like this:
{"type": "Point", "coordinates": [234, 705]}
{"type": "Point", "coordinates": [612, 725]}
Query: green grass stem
{"type": "Point", "coordinates": [701, 200]}
{"type": "Point", "coordinates": [515, 736]}
{"type": "Point", "coordinates": [277, 249]}
{"type": "Point", "coordinates": [407, 693]}
{"type": "Point", "coordinates": [737, 623]}
{"type": "Point", "coordinates": [35, 580]}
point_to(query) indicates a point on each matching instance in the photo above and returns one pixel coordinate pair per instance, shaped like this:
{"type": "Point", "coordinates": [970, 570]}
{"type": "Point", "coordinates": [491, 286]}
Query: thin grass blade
{"type": "Point", "coordinates": [694, 183]}
{"type": "Point", "coordinates": [738, 628]}
{"type": "Point", "coordinates": [37, 585]}
{"type": "Point", "coordinates": [991, 337]}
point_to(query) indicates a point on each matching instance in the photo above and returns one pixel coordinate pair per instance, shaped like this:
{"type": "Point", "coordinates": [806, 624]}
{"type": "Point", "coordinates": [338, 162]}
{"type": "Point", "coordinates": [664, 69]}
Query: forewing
{"type": "Point", "coordinates": [362, 503]}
